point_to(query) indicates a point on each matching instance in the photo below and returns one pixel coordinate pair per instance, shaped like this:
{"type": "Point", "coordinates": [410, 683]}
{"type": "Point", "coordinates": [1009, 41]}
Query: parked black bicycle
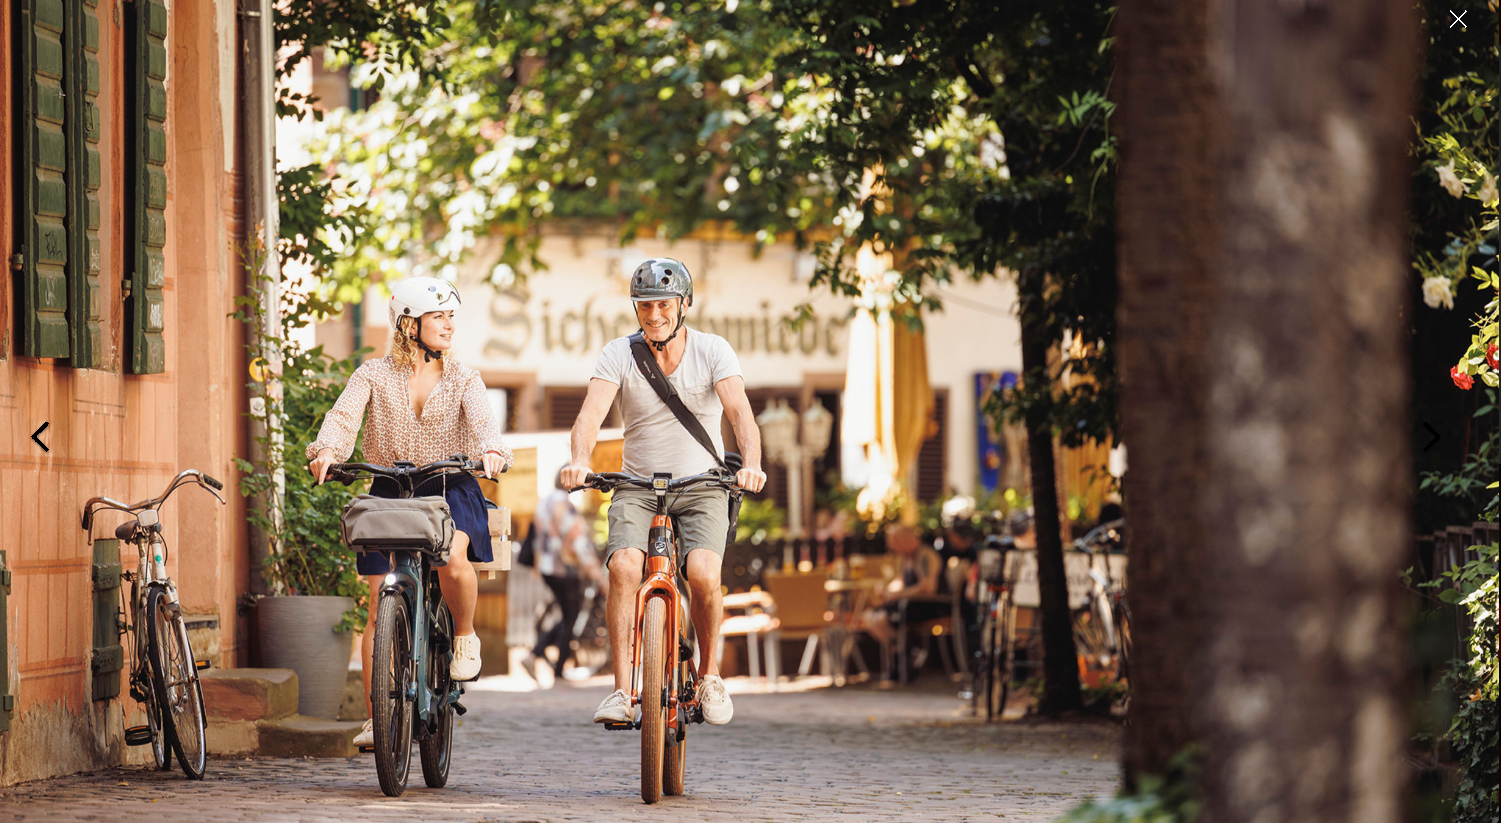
{"type": "Point", "coordinates": [995, 654]}
{"type": "Point", "coordinates": [411, 693]}
{"type": "Point", "coordinates": [164, 673]}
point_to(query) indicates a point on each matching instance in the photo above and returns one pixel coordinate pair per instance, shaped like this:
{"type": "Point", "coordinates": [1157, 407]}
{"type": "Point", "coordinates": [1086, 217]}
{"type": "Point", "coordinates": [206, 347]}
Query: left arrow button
{"type": "Point", "coordinates": [36, 436]}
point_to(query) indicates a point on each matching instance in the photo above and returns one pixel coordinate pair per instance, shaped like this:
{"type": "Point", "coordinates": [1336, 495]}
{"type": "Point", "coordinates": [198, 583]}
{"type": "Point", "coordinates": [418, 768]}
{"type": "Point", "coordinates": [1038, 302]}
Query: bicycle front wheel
{"type": "Point", "coordinates": [1001, 657]}
{"type": "Point", "coordinates": [653, 694]}
{"type": "Point", "coordinates": [675, 753]}
{"type": "Point", "coordinates": [980, 688]}
{"type": "Point", "coordinates": [391, 679]}
{"type": "Point", "coordinates": [175, 681]}
{"type": "Point", "coordinates": [437, 747]}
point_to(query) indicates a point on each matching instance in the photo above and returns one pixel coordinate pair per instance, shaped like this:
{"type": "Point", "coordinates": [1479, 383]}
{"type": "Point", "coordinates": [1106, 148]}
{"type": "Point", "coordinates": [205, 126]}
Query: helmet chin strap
{"type": "Point", "coordinates": [428, 355]}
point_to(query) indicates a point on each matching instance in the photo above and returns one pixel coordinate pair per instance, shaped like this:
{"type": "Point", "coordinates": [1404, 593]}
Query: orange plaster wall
{"type": "Point", "coordinates": [123, 435]}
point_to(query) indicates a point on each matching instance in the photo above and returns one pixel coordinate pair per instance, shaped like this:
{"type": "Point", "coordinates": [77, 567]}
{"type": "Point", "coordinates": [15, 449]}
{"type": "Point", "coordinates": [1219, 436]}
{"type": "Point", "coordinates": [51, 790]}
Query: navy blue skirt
{"type": "Point", "coordinates": [465, 502]}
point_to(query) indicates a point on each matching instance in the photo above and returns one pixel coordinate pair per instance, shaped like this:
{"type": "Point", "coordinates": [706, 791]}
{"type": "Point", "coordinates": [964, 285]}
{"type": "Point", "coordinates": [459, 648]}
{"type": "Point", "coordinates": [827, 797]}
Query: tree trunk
{"type": "Point", "coordinates": [1166, 244]}
{"type": "Point", "coordinates": [1059, 663]}
{"type": "Point", "coordinates": [1263, 281]}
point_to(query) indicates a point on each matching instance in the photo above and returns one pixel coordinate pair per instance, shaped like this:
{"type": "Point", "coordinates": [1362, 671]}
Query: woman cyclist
{"type": "Point", "coordinates": [420, 405]}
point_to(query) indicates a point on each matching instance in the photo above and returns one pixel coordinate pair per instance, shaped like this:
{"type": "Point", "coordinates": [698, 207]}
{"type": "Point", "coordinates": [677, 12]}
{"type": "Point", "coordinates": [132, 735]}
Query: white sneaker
{"type": "Point", "coordinates": [366, 737]}
{"type": "Point", "coordinates": [715, 701]}
{"type": "Point", "coordinates": [615, 709]}
{"type": "Point", "coordinates": [465, 662]}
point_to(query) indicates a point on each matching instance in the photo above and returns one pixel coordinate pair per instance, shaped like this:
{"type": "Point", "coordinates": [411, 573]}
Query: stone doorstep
{"type": "Point", "coordinates": [249, 694]}
{"type": "Point", "coordinates": [254, 712]}
{"type": "Point", "coordinates": [294, 736]}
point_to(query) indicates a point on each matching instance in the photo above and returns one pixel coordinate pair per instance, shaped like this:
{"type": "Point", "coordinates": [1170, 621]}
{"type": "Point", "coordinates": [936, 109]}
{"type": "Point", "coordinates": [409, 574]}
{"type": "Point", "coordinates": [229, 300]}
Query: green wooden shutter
{"type": "Point", "coordinates": [107, 657]}
{"type": "Point", "coordinates": [84, 299]}
{"type": "Point", "coordinates": [42, 78]}
{"type": "Point", "coordinates": [146, 183]}
{"type": "Point", "coordinates": [7, 700]}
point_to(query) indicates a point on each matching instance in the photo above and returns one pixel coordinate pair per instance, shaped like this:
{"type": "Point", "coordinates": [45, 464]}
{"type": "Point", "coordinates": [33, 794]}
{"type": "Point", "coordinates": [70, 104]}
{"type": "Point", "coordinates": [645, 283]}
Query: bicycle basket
{"type": "Point", "coordinates": [373, 523]}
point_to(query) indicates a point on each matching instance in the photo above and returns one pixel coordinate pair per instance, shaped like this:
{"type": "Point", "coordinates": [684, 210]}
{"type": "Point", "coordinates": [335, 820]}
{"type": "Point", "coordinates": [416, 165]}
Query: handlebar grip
{"type": "Point", "coordinates": [212, 482]}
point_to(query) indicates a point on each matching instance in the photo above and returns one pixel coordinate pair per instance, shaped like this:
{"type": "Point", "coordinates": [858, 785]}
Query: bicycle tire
{"type": "Point", "coordinates": [1123, 640]}
{"type": "Point", "coordinates": [390, 677]}
{"type": "Point", "coordinates": [437, 748]}
{"type": "Point", "coordinates": [175, 680]}
{"type": "Point", "coordinates": [161, 745]}
{"type": "Point", "coordinates": [980, 689]}
{"type": "Point", "coordinates": [675, 754]}
{"type": "Point", "coordinates": [1002, 659]}
{"type": "Point", "coordinates": [653, 707]}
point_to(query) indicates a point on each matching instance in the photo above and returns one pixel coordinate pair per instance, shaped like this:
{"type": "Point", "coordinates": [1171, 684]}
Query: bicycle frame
{"type": "Point", "coordinates": [660, 581]}
{"type": "Point", "coordinates": [405, 580]}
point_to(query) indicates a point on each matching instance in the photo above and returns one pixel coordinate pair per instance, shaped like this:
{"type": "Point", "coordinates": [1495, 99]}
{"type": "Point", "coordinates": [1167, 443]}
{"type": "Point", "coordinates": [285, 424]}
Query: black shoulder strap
{"type": "Point", "coordinates": [653, 374]}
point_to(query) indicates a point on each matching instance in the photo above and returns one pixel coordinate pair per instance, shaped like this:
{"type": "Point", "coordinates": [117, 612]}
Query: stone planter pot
{"type": "Point", "coordinates": [297, 633]}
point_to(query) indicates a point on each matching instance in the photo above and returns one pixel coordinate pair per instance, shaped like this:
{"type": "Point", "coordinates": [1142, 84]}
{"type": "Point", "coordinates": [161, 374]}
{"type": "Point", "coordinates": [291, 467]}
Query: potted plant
{"type": "Point", "coordinates": [317, 600]}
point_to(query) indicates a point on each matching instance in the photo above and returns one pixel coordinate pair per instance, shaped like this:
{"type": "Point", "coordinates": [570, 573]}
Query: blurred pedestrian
{"type": "Point", "coordinates": [565, 557]}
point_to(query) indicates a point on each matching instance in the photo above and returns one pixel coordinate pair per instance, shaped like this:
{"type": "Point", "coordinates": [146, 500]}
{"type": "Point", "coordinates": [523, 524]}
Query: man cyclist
{"type": "Point", "coordinates": [706, 374]}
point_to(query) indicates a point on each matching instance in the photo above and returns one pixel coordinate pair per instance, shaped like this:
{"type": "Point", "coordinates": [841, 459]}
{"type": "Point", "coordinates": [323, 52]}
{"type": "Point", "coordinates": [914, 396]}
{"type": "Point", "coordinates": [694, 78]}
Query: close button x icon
{"type": "Point", "coordinates": [1459, 19]}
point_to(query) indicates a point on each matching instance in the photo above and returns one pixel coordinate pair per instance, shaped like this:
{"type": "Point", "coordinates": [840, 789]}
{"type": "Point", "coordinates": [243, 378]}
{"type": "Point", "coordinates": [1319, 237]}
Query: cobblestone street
{"type": "Point", "coordinates": [822, 754]}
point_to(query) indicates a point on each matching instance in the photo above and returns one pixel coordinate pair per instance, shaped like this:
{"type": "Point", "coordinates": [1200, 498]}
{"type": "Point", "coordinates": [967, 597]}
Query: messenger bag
{"type": "Point", "coordinates": [731, 462]}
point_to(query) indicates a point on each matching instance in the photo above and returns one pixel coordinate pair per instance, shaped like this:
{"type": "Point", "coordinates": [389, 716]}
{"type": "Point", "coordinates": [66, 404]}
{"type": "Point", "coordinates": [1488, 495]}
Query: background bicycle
{"type": "Point", "coordinates": [163, 674]}
{"type": "Point", "coordinates": [1102, 626]}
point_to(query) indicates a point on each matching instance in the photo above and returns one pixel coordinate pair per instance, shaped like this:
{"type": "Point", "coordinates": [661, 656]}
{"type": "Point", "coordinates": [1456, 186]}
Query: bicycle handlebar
{"type": "Point", "coordinates": [151, 503]}
{"type": "Point", "coordinates": [1094, 535]}
{"type": "Point", "coordinates": [609, 481]}
{"type": "Point", "coordinates": [347, 473]}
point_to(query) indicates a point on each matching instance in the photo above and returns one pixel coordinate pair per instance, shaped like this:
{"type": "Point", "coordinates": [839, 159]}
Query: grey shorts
{"type": "Point", "coordinates": [703, 520]}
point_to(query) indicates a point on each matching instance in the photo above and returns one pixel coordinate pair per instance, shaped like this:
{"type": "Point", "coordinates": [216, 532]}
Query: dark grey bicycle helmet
{"type": "Point", "coordinates": [663, 278]}
{"type": "Point", "coordinates": [1020, 521]}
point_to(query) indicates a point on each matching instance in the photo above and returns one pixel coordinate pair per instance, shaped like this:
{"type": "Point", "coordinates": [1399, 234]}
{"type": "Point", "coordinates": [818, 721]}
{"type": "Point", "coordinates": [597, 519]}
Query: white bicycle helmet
{"type": "Point", "coordinates": [416, 296]}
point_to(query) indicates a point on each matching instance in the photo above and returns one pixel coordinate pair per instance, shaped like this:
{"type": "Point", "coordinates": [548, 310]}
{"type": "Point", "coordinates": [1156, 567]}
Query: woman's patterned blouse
{"type": "Point", "coordinates": [456, 419]}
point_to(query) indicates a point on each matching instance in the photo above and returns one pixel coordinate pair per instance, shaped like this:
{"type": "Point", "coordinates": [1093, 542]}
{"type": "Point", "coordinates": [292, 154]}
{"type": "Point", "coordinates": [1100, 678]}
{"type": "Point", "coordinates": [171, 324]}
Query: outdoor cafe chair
{"type": "Point", "coordinates": [757, 621]}
{"type": "Point", "coordinates": [802, 609]}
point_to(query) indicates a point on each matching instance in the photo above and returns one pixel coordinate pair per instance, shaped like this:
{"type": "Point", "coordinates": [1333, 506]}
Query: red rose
{"type": "Point", "coordinates": [1490, 357]}
{"type": "Point", "coordinates": [1462, 380]}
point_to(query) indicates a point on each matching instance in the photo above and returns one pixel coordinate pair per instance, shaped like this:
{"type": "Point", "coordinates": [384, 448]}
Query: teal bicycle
{"type": "Point", "coordinates": [411, 693]}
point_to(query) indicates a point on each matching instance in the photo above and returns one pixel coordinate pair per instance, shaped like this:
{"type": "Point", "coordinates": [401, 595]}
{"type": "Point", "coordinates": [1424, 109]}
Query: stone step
{"type": "Point", "coordinates": [300, 736]}
{"type": "Point", "coordinates": [295, 736]}
{"type": "Point", "coordinates": [249, 695]}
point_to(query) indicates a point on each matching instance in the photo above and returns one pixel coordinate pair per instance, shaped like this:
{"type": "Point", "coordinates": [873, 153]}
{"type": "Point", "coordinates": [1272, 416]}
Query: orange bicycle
{"type": "Point", "coordinates": [664, 684]}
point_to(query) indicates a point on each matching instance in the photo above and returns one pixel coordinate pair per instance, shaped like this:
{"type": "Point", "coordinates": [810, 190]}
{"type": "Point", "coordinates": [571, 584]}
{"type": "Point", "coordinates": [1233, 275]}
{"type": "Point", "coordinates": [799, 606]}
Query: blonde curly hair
{"type": "Point", "coordinates": [403, 350]}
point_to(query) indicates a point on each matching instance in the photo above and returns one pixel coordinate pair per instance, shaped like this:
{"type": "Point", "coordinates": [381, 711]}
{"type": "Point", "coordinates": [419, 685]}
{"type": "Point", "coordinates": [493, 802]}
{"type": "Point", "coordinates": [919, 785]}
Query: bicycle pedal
{"type": "Point", "coordinates": [459, 709]}
{"type": "Point", "coordinates": [367, 750]}
{"type": "Point", "coordinates": [200, 665]}
{"type": "Point", "coordinates": [620, 727]}
{"type": "Point", "coordinates": [138, 736]}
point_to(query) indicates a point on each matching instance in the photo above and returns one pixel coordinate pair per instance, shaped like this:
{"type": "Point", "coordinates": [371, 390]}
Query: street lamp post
{"type": "Point", "coordinates": [779, 441]}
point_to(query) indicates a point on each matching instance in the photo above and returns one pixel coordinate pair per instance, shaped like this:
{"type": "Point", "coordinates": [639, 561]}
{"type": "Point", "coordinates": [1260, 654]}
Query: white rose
{"type": "Point", "coordinates": [1487, 192]}
{"type": "Point", "coordinates": [1450, 180]}
{"type": "Point", "coordinates": [1438, 291]}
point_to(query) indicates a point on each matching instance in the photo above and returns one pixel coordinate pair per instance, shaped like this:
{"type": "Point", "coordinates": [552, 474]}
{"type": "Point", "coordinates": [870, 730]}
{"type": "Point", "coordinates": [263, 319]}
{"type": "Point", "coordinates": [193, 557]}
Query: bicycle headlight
{"type": "Point", "coordinates": [391, 579]}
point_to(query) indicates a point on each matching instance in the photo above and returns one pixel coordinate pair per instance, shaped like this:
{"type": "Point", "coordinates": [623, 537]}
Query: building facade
{"type": "Point", "coordinates": [118, 215]}
{"type": "Point", "coordinates": [536, 342]}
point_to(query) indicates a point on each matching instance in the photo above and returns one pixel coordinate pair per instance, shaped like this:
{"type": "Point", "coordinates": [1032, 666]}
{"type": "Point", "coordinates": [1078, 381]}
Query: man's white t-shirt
{"type": "Point", "coordinates": [654, 439]}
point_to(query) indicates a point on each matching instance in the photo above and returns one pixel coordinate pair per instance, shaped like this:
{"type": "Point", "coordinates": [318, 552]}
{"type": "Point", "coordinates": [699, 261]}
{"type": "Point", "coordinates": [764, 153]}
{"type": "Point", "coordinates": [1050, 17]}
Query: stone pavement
{"type": "Point", "coordinates": [851, 754]}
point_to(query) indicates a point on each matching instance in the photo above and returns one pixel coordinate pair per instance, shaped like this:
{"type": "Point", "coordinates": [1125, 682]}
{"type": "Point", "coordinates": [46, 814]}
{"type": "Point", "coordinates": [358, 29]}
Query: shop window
{"type": "Point", "coordinates": [561, 406]}
{"type": "Point", "coordinates": [932, 459]}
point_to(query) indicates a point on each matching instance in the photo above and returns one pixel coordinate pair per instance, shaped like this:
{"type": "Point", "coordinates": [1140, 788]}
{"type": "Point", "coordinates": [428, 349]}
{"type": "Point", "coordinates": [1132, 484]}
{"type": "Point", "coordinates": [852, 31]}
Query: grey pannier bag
{"type": "Point", "coordinates": [373, 523]}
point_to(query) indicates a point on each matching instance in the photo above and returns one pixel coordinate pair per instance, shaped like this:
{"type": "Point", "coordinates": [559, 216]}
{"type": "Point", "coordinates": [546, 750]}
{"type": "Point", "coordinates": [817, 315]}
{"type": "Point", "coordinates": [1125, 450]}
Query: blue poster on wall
{"type": "Point", "coordinates": [992, 447]}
